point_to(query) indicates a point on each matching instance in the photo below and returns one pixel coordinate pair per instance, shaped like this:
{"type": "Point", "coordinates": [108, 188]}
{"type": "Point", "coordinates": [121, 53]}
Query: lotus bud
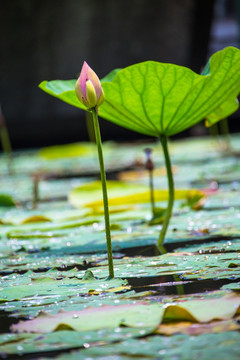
{"type": "Point", "coordinates": [88, 88]}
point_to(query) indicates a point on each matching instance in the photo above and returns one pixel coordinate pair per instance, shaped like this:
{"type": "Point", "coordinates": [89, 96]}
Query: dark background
{"type": "Point", "coordinates": [50, 39]}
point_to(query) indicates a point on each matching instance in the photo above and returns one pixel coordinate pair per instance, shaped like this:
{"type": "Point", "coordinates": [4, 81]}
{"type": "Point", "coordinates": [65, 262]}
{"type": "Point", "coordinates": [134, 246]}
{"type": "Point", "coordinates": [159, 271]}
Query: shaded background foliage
{"type": "Point", "coordinates": [44, 39]}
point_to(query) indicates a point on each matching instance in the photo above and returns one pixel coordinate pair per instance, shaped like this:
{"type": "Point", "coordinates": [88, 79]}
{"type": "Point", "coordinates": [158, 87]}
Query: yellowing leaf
{"type": "Point", "coordinates": [195, 199]}
{"type": "Point", "coordinates": [121, 194]}
{"type": "Point", "coordinates": [36, 219]}
{"type": "Point", "coordinates": [204, 310]}
{"type": "Point", "coordinates": [113, 290]}
{"type": "Point", "coordinates": [68, 150]}
{"type": "Point", "coordinates": [184, 327]}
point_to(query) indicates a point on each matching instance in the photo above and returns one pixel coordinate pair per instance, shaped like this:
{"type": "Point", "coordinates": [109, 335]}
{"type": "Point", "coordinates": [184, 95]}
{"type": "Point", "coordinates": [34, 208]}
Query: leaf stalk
{"type": "Point", "coordinates": [104, 191]}
{"type": "Point", "coordinates": [168, 213]}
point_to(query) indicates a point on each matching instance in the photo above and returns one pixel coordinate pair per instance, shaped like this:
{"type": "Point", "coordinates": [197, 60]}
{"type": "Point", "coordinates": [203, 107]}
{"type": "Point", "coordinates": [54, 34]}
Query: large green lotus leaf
{"type": "Point", "coordinates": [32, 306]}
{"type": "Point", "coordinates": [52, 274]}
{"type": "Point", "coordinates": [141, 314]}
{"type": "Point", "coordinates": [63, 90]}
{"type": "Point", "coordinates": [20, 344]}
{"type": "Point", "coordinates": [185, 264]}
{"type": "Point", "coordinates": [134, 315]}
{"type": "Point", "coordinates": [220, 346]}
{"type": "Point", "coordinates": [223, 111]}
{"type": "Point", "coordinates": [45, 260]}
{"type": "Point", "coordinates": [110, 76]}
{"type": "Point", "coordinates": [58, 244]}
{"type": "Point", "coordinates": [128, 231]}
{"type": "Point", "coordinates": [156, 98]}
{"type": "Point", "coordinates": [64, 287]}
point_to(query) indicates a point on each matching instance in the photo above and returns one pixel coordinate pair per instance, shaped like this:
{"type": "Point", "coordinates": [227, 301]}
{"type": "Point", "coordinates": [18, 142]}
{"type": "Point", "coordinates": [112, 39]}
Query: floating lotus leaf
{"type": "Point", "coordinates": [67, 151]}
{"type": "Point", "coordinates": [133, 315]}
{"type": "Point", "coordinates": [122, 193]}
{"type": "Point", "coordinates": [141, 314]}
{"type": "Point", "coordinates": [190, 328]}
{"type": "Point", "coordinates": [19, 344]}
{"type": "Point", "coordinates": [206, 346]}
{"type": "Point", "coordinates": [48, 287]}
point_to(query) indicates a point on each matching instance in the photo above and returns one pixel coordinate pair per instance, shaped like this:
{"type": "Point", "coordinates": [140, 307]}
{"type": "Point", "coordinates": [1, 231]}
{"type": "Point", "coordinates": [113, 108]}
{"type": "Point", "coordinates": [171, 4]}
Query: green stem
{"type": "Point", "coordinates": [7, 149]}
{"type": "Point", "coordinates": [224, 127]}
{"type": "Point", "coordinates": [223, 124]}
{"type": "Point", "coordinates": [6, 143]}
{"type": "Point", "coordinates": [152, 192]}
{"type": "Point", "coordinates": [168, 214]}
{"type": "Point", "coordinates": [90, 127]}
{"type": "Point", "coordinates": [180, 287]}
{"type": "Point", "coordinates": [104, 191]}
{"type": "Point", "coordinates": [36, 180]}
{"type": "Point", "coordinates": [213, 130]}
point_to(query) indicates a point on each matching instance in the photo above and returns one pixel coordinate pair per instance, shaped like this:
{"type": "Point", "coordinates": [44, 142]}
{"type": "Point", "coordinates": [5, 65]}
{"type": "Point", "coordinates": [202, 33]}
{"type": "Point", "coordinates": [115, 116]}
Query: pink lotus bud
{"type": "Point", "coordinates": [88, 88]}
